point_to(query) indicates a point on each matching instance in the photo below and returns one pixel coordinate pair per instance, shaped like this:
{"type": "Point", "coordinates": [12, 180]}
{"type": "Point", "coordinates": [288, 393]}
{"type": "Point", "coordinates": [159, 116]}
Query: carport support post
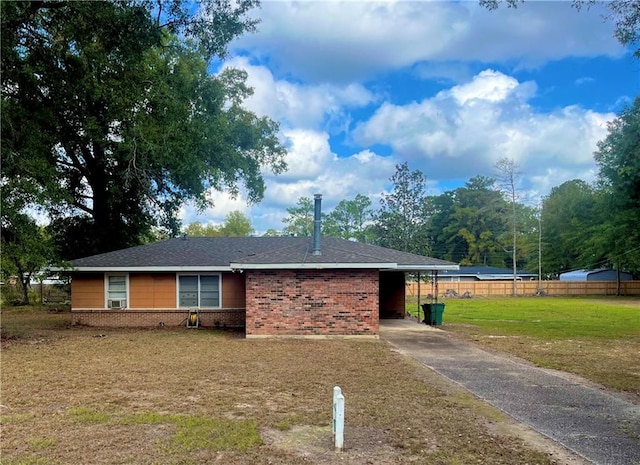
{"type": "Point", "coordinates": [338, 418]}
{"type": "Point", "coordinates": [419, 297]}
{"type": "Point", "coordinates": [435, 280]}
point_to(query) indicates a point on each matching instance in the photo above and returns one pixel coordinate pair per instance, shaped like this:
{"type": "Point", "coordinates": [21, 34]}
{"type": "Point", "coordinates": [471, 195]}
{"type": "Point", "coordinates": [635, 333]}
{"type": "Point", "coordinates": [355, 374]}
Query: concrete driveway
{"type": "Point", "coordinates": [598, 425]}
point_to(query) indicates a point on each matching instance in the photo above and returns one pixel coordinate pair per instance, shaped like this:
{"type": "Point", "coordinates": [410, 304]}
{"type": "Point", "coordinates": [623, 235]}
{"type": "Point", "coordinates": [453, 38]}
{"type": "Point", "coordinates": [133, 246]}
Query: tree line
{"type": "Point", "coordinates": [577, 225]}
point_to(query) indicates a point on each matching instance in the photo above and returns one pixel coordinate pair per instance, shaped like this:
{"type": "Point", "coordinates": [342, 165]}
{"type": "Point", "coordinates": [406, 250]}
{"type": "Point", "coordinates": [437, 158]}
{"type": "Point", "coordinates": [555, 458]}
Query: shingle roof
{"type": "Point", "coordinates": [255, 252]}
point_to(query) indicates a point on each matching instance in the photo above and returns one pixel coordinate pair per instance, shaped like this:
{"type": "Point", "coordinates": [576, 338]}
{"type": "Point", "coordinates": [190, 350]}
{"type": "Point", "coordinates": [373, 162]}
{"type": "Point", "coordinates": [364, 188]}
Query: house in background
{"type": "Point", "coordinates": [602, 274]}
{"type": "Point", "coordinates": [271, 286]}
{"type": "Point", "coordinates": [484, 273]}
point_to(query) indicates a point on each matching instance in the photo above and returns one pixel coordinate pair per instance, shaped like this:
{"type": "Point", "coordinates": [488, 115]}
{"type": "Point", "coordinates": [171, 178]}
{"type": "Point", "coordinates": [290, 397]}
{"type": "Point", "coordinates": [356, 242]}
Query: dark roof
{"type": "Point", "coordinates": [484, 270]}
{"type": "Point", "coordinates": [584, 275]}
{"type": "Point", "coordinates": [255, 252]}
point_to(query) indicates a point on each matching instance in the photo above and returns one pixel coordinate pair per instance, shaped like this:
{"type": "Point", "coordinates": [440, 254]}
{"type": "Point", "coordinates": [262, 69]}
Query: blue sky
{"type": "Point", "coordinates": [448, 87]}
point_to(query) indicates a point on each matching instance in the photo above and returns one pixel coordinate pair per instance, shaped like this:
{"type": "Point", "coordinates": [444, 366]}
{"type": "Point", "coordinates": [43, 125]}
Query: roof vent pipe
{"type": "Point", "coordinates": [317, 221]}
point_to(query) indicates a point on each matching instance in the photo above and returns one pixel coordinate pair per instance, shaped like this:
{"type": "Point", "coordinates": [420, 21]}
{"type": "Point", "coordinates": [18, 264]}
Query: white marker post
{"type": "Point", "coordinates": [338, 418]}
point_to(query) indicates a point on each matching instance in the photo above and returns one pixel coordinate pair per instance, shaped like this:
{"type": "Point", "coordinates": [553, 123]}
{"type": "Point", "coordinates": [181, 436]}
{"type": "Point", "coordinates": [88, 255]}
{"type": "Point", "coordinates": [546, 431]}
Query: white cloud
{"type": "Point", "coordinates": [457, 133]}
{"type": "Point", "coordinates": [343, 41]}
{"type": "Point", "coordinates": [463, 131]}
{"type": "Point", "coordinates": [308, 154]}
{"type": "Point", "coordinates": [314, 68]}
{"type": "Point", "coordinates": [314, 168]}
{"type": "Point", "coordinates": [489, 85]}
{"type": "Point", "coordinates": [300, 105]}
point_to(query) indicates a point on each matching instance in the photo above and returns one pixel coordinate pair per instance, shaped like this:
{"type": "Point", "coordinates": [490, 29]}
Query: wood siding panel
{"type": "Point", "coordinates": [87, 291]}
{"type": "Point", "coordinates": [233, 290]}
{"type": "Point", "coordinates": [152, 290]}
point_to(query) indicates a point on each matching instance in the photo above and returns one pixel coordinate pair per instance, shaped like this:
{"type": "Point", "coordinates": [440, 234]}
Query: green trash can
{"type": "Point", "coordinates": [435, 317]}
{"type": "Point", "coordinates": [433, 314]}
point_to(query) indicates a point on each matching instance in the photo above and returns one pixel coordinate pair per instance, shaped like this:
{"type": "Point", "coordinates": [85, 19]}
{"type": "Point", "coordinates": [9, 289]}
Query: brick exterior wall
{"type": "Point", "coordinates": [312, 303]}
{"type": "Point", "coordinates": [225, 318]}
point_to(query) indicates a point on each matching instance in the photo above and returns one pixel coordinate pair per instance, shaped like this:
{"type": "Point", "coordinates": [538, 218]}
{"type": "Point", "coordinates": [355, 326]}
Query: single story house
{"type": "Point", "coordinates": [484, 273]}
{"type": "Point", "coordinates": [271, 286]}
{"type": "Point", "coordinates": [602, 274]}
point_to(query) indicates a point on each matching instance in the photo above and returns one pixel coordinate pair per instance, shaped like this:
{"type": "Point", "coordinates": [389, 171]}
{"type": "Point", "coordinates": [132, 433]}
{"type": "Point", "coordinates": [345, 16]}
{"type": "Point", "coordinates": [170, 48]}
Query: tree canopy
{"type": "Point", "coordinates": [111, 118]}
{"type": "Point", "coordinates": [350, 219]}
{"type": "Point", "coordinates": [401, 222]}
{"type": "Point", "coordinates": [468, 223]}
{"type": "Point", "coordinates": [299, 222]}
{"type": "Point", "coordinates": [568, 216]}
{"type": "Point", "coordinates": [236, 224]}
{"type": "Point", "coordinates": [618, 157]}
{"type": "Point", "coordinates": [26, 249]}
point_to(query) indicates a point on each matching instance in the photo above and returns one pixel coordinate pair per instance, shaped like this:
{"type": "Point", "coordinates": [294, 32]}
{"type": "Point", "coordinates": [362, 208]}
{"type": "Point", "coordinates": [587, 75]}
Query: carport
{"type": "Point", "coordinates": [393, 288]}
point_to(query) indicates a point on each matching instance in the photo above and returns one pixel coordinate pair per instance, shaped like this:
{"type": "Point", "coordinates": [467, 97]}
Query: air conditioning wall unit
{"type": "Point", "coordinates": [117, 303]}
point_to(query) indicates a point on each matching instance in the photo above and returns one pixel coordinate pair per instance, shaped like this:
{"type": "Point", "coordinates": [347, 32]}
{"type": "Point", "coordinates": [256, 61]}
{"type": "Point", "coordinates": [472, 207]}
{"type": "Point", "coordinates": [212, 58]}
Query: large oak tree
{"type": "Point", "coordinates": [112, 118]}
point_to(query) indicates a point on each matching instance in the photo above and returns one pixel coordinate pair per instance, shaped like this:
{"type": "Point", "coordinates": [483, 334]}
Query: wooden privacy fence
{"type": "Point", "coordinates": [505, 288]}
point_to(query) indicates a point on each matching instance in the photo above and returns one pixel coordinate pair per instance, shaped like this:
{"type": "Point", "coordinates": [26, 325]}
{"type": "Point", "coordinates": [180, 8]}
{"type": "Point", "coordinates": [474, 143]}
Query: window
{"type": "Point", "coordinates": [116, 291]}
{"type": "Point", "coordinates": [199, 291]}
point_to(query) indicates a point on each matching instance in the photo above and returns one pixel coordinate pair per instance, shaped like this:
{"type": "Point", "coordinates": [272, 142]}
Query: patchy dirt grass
{"type": "Point", "coordinates": [101, 396]}
{"type": "Point", "coordinates": [611, 363]}
{"type": "Point", "coordinates": [595, 338]}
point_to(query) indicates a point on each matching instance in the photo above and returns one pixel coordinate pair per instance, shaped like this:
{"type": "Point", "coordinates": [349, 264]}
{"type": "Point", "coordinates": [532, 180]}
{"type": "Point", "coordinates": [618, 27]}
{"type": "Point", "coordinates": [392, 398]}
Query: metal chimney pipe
{"type": "Point", "coordinates": [317, 222]}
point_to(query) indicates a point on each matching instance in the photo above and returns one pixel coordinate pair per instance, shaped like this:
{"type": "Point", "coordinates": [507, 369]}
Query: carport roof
{"type": "Point", "coordinates": [244, 253]}
{"type": "Point", "coordinates": [489, 273]}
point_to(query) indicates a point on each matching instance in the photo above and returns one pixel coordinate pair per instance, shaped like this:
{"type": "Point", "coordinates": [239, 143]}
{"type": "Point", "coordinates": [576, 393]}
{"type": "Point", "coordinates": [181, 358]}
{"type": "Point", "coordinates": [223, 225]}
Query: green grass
{"type": "Point", "coordinates": [88, 416]}
{"type": "Point", "coordinates": [32, 322]}
{"type": "Point", "coordinates": [41, 443]}
{"type": "Point", "coordinates": [545, 317]}
{"type": "Point", "coordinates": [192, 432]}
{"type": "Point", "coordinates": [597, 338]}
{"type": "Point", "coordinates": [165, 396]}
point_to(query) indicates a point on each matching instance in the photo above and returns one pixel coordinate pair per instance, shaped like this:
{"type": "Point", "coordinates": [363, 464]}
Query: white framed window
{"type": "Point", "coordinates": [199, 290]}
{"type": "Point", "coordinates": [116, 290]}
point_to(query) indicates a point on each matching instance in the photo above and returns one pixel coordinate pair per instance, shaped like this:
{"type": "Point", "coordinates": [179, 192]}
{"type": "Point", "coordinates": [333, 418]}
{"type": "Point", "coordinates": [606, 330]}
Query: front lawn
{"type": "Point", "coordinates": [186, 396]}
{"type": "Point", "coordinates": [597, 338]}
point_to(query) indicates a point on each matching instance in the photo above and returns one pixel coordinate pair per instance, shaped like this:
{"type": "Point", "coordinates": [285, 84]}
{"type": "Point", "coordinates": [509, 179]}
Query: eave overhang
{"type": "Point", "coordinates": [257, 266]}
{"type": "Point", "coordinates": [310, 266]}
{"type": "Point", "coordinates": [410, 268]}
{"type": "Point", "coordinates": [143, 269]}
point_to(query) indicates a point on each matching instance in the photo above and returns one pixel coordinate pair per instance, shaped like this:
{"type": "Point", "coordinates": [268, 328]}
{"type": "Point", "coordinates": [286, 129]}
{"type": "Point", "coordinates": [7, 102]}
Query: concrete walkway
{"type": "Point", "coordinates": [601, 427]}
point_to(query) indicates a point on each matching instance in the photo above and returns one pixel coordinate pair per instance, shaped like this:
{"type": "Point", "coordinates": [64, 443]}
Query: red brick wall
{"type": "Point", "coordinates": [312, 302]}
{"type": "Point", "coordinates": [227, 318]}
